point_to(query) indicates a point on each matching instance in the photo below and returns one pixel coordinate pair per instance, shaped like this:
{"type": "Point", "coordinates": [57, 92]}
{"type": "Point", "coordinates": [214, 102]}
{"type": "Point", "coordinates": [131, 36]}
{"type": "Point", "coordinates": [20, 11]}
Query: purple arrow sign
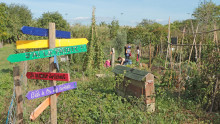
{"type": "Point", "coordinates": [50, 90]}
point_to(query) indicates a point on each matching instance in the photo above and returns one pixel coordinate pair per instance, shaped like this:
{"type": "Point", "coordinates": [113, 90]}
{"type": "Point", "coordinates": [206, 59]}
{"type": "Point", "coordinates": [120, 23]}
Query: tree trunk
{"type": "Point", "coordinates": [161, 45]}
{"type": "Point", "coordinates": [1, 44]}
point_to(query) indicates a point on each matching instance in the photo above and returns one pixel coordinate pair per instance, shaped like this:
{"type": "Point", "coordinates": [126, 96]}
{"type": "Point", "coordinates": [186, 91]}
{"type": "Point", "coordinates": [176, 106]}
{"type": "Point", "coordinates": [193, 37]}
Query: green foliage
{"type": "Point", "coordinates": [89, 58]}
{"type": "Point", "coordinates": [207, 12]}
{"type": "Point", "coordinates": [55, 17]}
{"type": "Point", "coordinates": [119, 42]}
{"type": "Point", "coordinates": [18, 16]}
{"type": "Point", "coordinates": [95, 56]}
{"type": "Point", "coordinates": [3, 21]}
{"type": "Point", "coordinates": [6, 81]}
{"type": "Point", "coordinates": [114, 27]}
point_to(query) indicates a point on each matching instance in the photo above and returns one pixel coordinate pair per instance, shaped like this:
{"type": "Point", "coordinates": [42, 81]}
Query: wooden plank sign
{"type": "Point", "coordinates": [30, 44]}
{"type": "Point", "coordinates": [44, 32]}
{"type": "Point", "coordinates": [48, 76]}
{"type": "Point", "coordinates": [46, 53]}
{"type": "Point", "coordinates": [50, 90]}
{"type": "Point", "coordinates": [41, 108]}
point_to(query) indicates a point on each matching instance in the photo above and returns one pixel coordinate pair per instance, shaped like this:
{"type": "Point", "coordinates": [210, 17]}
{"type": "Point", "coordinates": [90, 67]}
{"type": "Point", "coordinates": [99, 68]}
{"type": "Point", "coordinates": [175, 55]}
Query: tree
{"type": "Point", "coordinates": [18, 16]}
{"type": "Point", "coordinates": [3, 21]}
{"type": "Point", "coordinates": [55, 17]}
{"type": "Point", "coordinates": [207, 12]}
{"type": "Point", "coordinates": [120, 41]}
{"type": "Point", "coordinates": [113, 28]}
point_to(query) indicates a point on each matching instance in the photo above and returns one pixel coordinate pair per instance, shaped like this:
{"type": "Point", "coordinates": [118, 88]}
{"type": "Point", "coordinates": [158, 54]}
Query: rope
{"type": "Point", "coordinates": [9, 110]}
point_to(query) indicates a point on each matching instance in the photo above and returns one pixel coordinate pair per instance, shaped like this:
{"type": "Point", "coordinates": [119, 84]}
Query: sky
{"type": "Point", "coordinates": [127, 12]}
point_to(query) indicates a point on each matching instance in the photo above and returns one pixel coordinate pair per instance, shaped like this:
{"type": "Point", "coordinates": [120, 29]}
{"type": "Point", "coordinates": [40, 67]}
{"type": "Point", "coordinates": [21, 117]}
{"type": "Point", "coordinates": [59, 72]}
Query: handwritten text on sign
{"type": "Point", "coordinates": [48, 76]}
{"type": "Point", "coordinates": [46, 53]}
{"type": "Point", "coordinates": [50, 90]}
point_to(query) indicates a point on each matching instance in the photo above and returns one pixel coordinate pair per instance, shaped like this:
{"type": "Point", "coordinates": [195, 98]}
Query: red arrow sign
{"type": "Point", "coordinates": [48, 76]}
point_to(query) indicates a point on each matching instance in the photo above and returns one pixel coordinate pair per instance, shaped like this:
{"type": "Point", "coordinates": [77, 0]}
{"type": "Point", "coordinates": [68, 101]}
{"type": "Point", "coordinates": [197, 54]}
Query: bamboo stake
{"type": "Point", "coordinates": [181, 61]}
{"type": "Point", "coordinates": [194, 40]}
{"type": "Point", "coordinates": [168, 48]}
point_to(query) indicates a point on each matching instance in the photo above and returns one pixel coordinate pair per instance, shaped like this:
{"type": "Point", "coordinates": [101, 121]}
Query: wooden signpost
{"type": "Point", "coordinates": [28, 44]}
{"type": "Point", "coordinates": [50, 90]}
{"type": "Point", "coordinates": [48, 76]}
{"type": "Point", "coordinates": [68, 46]}
{"type": "Point", "coordinates": [46, 53]}
{"type": "Point", "coordinates": [44, 32]}
{"type": "Point", "coordinates": [53, 102]}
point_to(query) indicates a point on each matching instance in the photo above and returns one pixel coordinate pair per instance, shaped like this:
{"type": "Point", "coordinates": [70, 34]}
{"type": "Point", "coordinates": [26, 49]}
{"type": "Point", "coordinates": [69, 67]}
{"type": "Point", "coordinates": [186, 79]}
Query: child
{"type": "Point", "coordinates": [128, 52]}
{"type": "Point", "coordinates": [107, 63]}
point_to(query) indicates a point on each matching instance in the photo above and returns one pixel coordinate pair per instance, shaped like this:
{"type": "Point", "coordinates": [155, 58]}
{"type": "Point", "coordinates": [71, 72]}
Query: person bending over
{"type": "Point", "coordinates": [121, 60]}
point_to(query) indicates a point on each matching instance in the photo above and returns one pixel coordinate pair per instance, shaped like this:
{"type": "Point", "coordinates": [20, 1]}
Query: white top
{"type": "Point", "coordinates": [138, 51]}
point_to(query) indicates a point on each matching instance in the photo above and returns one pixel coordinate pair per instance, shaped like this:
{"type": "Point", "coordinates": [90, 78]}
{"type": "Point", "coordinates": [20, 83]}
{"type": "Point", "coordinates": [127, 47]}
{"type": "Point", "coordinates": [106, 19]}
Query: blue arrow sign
{"type": "Point", "coordinates": [44, 32]}
{"type": "Point", "coordinates": [50, 90]}
{"type": "Point", "coordinates": [56, 63]}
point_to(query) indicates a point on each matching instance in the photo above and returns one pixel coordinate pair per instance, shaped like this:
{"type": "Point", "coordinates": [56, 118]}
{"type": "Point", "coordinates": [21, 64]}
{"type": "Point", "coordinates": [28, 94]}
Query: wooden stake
{"type": "Point", "coordinates": [180, 69]}
{"type": "Point", "coordinates": [41, 108]}
{"type": "Point", "coordinates": [150, 56]}
{"type": "Point", "coordinates": [113, 57]}
{"type": "Point", "coordinates": [168, 48]}
{"type": "Point", "coordinates": [216, 37]}
{"type": "Point", "coordinates": [53, 105]}
{"type": "Point", "coordinates": [18, 92]}
{"type": "Point", "coordinates": [23, 66]}
{"type": "Point", "coordinates": [194, 42]}
{"type": "Point", "coordinates": [171, 58]}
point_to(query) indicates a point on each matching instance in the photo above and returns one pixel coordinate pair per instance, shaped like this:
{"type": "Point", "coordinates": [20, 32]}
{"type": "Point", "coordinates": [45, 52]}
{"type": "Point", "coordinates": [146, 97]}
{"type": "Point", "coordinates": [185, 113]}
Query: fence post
{"type": "Point", "coordinates": [113, 57]}
{"type": "Point", "coordinates": [18, 93]}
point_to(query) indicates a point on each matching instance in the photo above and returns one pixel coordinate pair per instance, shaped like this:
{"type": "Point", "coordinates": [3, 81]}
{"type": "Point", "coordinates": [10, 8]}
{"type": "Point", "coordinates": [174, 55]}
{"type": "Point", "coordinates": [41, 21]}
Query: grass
{"type": "Point", "coordinates": [6, 81]}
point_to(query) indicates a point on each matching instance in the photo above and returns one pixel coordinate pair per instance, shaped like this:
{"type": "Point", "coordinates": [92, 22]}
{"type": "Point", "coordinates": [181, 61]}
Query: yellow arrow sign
{"type": "Point", "coordinates": [26, 44]}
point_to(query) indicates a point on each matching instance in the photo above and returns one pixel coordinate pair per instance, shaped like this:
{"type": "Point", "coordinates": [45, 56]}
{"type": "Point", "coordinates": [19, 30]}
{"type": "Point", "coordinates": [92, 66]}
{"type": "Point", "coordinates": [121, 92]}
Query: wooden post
{"type": "Point", "coordinates": [113, 57]}
{"type": "Point", "coordinates": [171, 58]}
{"type": "Point", "coordinates": [194, 42]}
{"type": "Point", "coordinates": [180, 69]}
{"type": "Point", "coordinates": [215, 37]}
{"type": "Point", "coordinates": [150, 56]}
{"type": "Point", "coordinates": [18, 93]}
{"type": "Point", "coordinates": [168, 48]}
{"type": "Point", "coordinates": [53, 105]}
{"type": "Point", "coordinates": [23, 66]}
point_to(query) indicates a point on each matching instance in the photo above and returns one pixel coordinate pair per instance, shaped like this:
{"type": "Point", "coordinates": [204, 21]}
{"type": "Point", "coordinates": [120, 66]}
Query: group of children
{"type": "Point", "coordinates": [126, 60]}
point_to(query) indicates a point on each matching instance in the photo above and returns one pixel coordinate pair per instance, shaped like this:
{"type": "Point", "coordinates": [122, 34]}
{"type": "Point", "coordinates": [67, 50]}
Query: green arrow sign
{"type": "Point", "coordinates": [46, 53]}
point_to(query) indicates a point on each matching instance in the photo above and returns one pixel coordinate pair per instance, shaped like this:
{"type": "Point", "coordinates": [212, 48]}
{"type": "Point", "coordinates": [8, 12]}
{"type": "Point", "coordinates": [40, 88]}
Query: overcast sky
{"type": "Point", "coordinates": [128, 12]}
